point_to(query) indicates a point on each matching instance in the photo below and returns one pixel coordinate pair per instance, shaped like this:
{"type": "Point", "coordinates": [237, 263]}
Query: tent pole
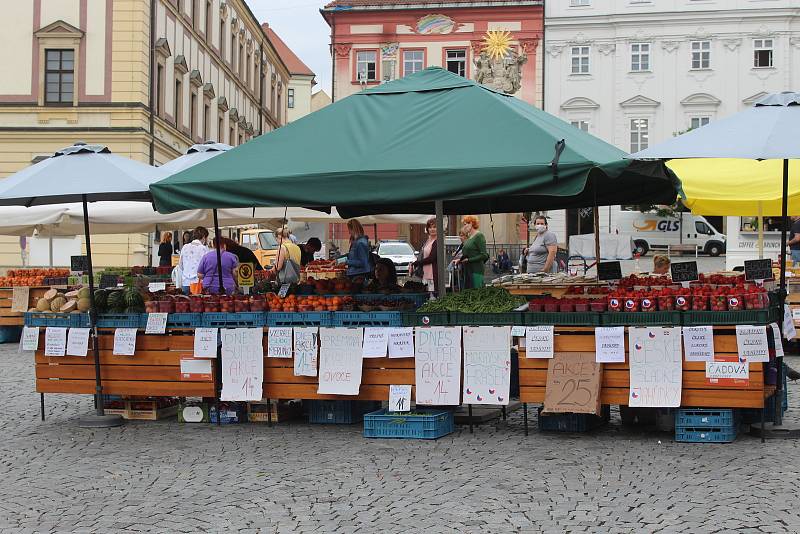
{"type": "Point", "coordinates": [760, 231]}
{"type": "Point", "coordinates": [50, 242]}
{"type": "Point", "coordinates": [596, 215]}
{"type": "Point", "coordinates": [217, 238]}
{"type": "Point", "coordinates": [440, 238]}
{"type": "Point", "coordinates": [785, 221]}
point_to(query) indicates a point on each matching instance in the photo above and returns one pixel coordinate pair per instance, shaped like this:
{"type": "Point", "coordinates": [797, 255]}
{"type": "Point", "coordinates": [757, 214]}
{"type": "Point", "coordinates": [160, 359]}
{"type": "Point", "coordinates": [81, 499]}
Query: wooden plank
{"type": "Point", "coordinates": [369, 363]}
{"type": "Point", "coordinates": [158, 373]}
{"type": "Point", "coordinates": [6, 312]}
{"type": "Point", "coordinates": [690, 398]}
{"type": "Point", "coordinates": [106, 358]}
{"type": "Point", "coordinates": [12, 321]}
{"type": "Point", "coordinates": [118, 387]}
{"type": "Point", "coordinates": [621, 379]}
{"type": "Point", "coordinates": [368, 376]}
{"type": "Point", "coordinates": [309, 391]}
{"type": "Point", "coordinates": [183, 343]}
{"type": "Point", "coordinates": [143, 342]}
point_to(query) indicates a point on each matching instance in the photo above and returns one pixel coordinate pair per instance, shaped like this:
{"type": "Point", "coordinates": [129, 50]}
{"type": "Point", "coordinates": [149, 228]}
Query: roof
{"type": "Point", "coordinates": [293, 63]}
{"type": "Point", "coordinates": [337, 5]}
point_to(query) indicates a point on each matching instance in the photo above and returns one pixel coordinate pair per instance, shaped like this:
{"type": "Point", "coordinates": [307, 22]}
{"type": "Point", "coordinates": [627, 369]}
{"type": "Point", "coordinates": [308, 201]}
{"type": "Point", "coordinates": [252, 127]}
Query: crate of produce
{"type": "Point", "coordinates": [420, 424]}
{"type": "Point", "coordinates": [234, 320]}
{"type": "Point", "coordinates": [486, 319]}
{"type": "Point", "coordinates": [122, 320]}
{"type": "Point", "coordinates": [339, 412]}
{"type": "Point", "coordinates": [426, 318]}
{"type": "Point", "coordinates": [415, 299]}
{"type": "Point", "coordinates": [55, 319]}
{"type": "Point", "coordinates": [274, 411]}
{"type": "Point", "coordinates": [706, 318]}
{"type": "Point", "coordinates": [705, 435]}
{"type": "Point", "coordinates": [705, 417]}
{"type": "Point", "coordinates": [299, 318]}
{"type": "Point", "coordinates": [570, 319]}
{"type": "Point", "coordinates": [356, 319]}
{"type": "Point", "coordinates": [184, 320]}
{"type": "Point", "coordinates": [572, 422]}
{"type": "Point", "coordinates": [658, 318]}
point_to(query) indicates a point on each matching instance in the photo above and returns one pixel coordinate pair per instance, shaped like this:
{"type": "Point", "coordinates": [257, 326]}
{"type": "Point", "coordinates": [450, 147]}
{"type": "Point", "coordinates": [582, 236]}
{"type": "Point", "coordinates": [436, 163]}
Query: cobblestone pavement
{"type": "Point", "coordinates": [166, 477]}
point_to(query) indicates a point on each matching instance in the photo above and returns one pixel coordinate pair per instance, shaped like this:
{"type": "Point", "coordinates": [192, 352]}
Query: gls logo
{"type": "Point", "coordinates": [653, 225]}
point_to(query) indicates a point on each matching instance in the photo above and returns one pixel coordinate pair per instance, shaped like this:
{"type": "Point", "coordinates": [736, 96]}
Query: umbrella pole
{"type": "Point", "coordinates": [782, 294]}
{"type": "Point", "coordinates": [217, 238]}
{"type": "Point", "coordinates": [440, 238]}
{"type": "Point", "coordinates": [760, 232]}
{"type": "Point", "coordinates": [100, 419]}
{"type": "Point", "coordinates": [50, 244]}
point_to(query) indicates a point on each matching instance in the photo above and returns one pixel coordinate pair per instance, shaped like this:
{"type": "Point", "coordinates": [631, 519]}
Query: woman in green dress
{"type": "Point", "coordinates": [473, 253]}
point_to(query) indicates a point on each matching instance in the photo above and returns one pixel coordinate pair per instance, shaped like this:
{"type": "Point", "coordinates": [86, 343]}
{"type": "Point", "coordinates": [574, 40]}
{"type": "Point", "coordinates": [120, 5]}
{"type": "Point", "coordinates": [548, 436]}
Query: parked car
{"type": "Point", "coordinates": [400, 252]}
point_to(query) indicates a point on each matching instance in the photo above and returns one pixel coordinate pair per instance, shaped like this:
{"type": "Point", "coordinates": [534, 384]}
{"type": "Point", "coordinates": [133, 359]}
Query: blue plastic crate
{"type": "Point", "coordinates": [339, 412]}
{"type": "Point", "coordinates": [234, 320]}
{"type": "Point", "coordinates": [184, 320]}
{"type": "Point", "coordinates": [571, 422]}
{"type": "Point", "coordinates": [47, 319]}
{"type": "Point", "coordinates": [706, 418]}
{"type": "Point", "coordinates": [355, 319]}
{"type": "Point", "coordinates": [706, 435]}
{"type": "Point", "coordinates": [422, 424]}
{"type": "Point", "coordinates": [122, 320]}
{"type": "Point", "coordinates": [299, 319]}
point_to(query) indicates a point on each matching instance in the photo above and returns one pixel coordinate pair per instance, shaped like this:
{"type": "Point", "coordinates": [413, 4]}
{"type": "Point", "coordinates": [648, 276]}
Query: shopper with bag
{"type": "Point", "coordinates": [191, 254]}
{"type": "Point", "coordinates": [208, 269]}
{"type": "Point", "coordinates": [359, 258]}
{"type": "Point", "coordinates": [287, 264]}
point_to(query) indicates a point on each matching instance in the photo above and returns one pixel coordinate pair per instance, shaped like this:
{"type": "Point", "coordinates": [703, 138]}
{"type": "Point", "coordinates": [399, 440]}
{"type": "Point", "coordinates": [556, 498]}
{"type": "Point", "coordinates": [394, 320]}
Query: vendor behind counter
{"type": "Point", "coordinates": [243, 254]}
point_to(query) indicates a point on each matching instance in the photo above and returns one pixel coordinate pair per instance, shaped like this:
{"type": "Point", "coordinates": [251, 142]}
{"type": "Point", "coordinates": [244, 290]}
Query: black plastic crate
{"type": "Point", "coordinates": [573, 422]}
{"type": "Point", "coordinates": [657, 318]}
{"type": "Point", "coordinates": [566, 318]}
{"type": "Point", "coordinates": [426, 318]}
{"type": "Point", "coordinates": [340, 412]}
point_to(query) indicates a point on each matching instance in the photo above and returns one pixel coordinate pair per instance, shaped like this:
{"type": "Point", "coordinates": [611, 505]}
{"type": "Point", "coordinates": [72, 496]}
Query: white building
{"type": "Point", "coordinates": [636, 72]}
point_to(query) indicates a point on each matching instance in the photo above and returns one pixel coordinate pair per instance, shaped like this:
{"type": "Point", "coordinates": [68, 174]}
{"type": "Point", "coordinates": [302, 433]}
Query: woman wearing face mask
{"type": "Point", "coordinates": [541, 255]}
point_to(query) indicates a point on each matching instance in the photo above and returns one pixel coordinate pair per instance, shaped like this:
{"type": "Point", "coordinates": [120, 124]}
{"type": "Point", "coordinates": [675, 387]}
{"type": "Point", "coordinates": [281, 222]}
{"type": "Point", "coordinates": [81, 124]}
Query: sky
{"type": "Point", "coordinates": [300, 25]}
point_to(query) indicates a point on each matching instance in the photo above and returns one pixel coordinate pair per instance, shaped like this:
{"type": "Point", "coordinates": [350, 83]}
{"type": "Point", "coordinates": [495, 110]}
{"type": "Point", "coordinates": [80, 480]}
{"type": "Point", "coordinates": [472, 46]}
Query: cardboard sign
{"type": "Point", "coordinates": [609, 270]}
{"type": "Point", "coordinates": [78, 342]}
{"type": "Point", "coordinates": [728, 371]}
{"type": "Point", "coordinates": [193, 370]}
{"type": "Point", "coordinates": [306, 349]}
{"type": "Point", "coordinates": [242, 364]}
{"type": "Point", "coordinates": [245, 275]}
{"type": "Point", "coordinates": [685, 271]}
{"type": "Point", "coordinates": [539, 342]}
{"type": "Point", "coordinates": [778, 339]}
{"type": "Point", "coordinates": [758, 269]}
{"type": "Point", "coordinates": [401, 343]}
{"type": "Point", "coordinates": [156, 323]}
{"type": "Point", "coordinates": [656, 367]}
{"type": "Point", "coordinates": [437, 365]}
{"type": "Point", "coordinates": [698, 343]}
{"type": "Point", "coordinates": [19, 299]}
{"type": "Point", "coordinates": [55, 341]}
{"type": "Point", "coordinates": [609, 344]}
{"type": "Point", "coordinates": [340, 361]}
{"type": "Point", "coordinates": [487, 364]}
{"type": "Point", "coordinates": [399, 398]}
{"type": "Point", "coordinates": [124, 342]}
{"type": "Point", "coordinates": [376, 343]}
{"type": "Point", "coordinates": [752, 344]}
{"type": "Point", "coordinates": [573, 383]}
{"type": "Point", "coordinates": [30, 338]}
{"type": "Point", "coordinates": [205, 342]}
{"type": "Point", "coordinates": [279, 342]}
{"type": "Point", "coordinates": [79, 264]}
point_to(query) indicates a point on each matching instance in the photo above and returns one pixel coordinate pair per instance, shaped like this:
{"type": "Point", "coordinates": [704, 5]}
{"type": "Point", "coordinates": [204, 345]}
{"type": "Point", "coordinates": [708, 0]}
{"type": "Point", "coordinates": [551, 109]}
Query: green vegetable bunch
{"type": "Point", "coordinates": [481, 300]}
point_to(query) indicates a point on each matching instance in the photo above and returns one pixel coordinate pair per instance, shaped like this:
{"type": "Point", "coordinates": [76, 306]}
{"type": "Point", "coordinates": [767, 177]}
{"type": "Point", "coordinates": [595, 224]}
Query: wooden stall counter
{"type": "Point", "coordinates": [16, 318]}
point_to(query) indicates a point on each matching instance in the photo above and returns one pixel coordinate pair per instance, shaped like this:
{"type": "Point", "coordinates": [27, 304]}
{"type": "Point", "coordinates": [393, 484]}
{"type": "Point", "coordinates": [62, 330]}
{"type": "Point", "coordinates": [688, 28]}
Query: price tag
{"type": "Point", "coordinates": [776, 336]}
{"type": "Point", "coordinates": [157, 286]}
{"type": "Point", "coordinates": [758, 269]}
{"type": "Point", "coordinates": [156, 323]}
{"type": "Point", "coordinates": [205, 343]}
{"type": "Point", "coordinates": [283, 291]}
{"type": "Point", "coordinates": [518, 331]}
{"type": "Point", "coordinates": [30, 338]}
{"type": "Point", "coordinates": [684, 272]}
{"type": "Point", "coordinates": [78, 342]}
{"type": "Point", "coordinates": [399, 398]}
{"type": "Point", "coordinates": [55, 341]}
{"type": "Point", "coordinates": [19, 299]}
{"type": "Point", "coordinates": [79, 264]}
{"type": "Point", "coordinates": [124, 342]}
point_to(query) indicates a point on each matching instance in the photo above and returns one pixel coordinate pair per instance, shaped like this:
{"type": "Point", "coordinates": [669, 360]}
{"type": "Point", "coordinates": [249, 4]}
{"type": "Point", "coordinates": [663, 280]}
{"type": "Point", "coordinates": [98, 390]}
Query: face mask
{"type": "Point", "coordinates": [541, 228]}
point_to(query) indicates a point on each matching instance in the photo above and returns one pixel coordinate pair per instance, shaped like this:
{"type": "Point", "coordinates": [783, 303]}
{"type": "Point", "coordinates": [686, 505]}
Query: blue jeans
{"type": "Point", "coordinates": [796, 256]}
{"type": "Point", "coordinates": [186, 290]}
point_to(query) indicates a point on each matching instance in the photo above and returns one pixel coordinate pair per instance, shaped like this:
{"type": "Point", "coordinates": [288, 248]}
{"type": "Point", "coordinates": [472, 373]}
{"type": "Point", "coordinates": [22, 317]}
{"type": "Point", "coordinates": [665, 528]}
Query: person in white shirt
{"type": "Point", "coordinates": [191, 254]}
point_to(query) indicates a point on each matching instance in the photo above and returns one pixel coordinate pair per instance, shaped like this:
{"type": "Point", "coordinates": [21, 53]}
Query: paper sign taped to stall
{"type": "Point", "coordinates": [124, 342]}
{"type": "Point", "coordinates": [195, 370]}
{"type": "Point", "coordinates": [796, 314]}
{"type": "Point", "coordinates": [400, 398]}
{"type": "Point", "coordinates": [279, 342]}
{"type": "Point", "coordinates": [728, 370]}
{"type": "Point", "coordinates": [376, 343]}
{"type": "Point", "coordinates": [19, 298]}
{"type": "Point", "coordinates": [30, 338]}
{"type": "Point", "coordinates": [752, 344]}
{"type": "Point", "coordinates": [306, 350]}
{"type": "Point", "coordinates": [518, 331]}
{"type": "Point", "coordinates": [609, 344]}
{"type": "Point", "coordinates": [156, 323]}
{"type": "Point", "coordinates": [487, 364]}
{"type": "Point", "coordinates": [155, 287]}
{"type": "Point", "coordinates": [401, 342]}
{"type": "Point", "coordinates": [698, 343]}
{"type": "Point", "coordinates": [437, 365]}
{"type": "Point", "coordinates": [205, 343]}
{"type": "Point", "coordinates": [776, 336]}
{"type": "Point", "coordinates": [656, 367]}
{"type": "Point", "coordinates": [55, 341]}
{"type": "Point", "coordinates": [78, 342]}
{"type": "Point", "coordinates": [573, 383]}
{"type": "Point", "coordinates": [539, 342]}
{"type": "Point", "coordinates": [340, 361]}
{"type": "Point", "coordinates": [242, 364]}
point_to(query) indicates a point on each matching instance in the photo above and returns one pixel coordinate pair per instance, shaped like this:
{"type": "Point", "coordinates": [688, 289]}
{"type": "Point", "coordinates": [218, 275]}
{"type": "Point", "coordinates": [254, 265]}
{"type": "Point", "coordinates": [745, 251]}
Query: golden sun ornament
{"type": "Point", "coordinates": [497, 43]}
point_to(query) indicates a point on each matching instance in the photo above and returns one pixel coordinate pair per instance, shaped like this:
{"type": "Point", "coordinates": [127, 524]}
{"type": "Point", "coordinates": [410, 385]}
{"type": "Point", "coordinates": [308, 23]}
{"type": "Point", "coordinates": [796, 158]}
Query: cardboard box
{"type": "Point", "coordinates": [193, 413]}
{"type": "Point", "coordinates": [257, 411]}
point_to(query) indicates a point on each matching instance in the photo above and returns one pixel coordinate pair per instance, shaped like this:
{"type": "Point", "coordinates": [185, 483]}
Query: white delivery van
{"type": "Point", "coordinates": [650, 231]}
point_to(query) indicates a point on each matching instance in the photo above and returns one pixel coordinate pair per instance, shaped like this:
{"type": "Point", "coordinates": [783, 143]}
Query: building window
{"type": "Point", "coordinates": [366, 66]}
{"type": "Point", "coordinates": [60, 76]}
{"type": "Point", "coordinates": [247, 66]}
{"type": "Point", "coordinates": [578, 3]}
{"type": "Point", "coordinates": [209, 20]}
{"type": "Point", "coordinates": [159, 90]}
{"type": "Point", "coordinates": [697, 122]}
{"type": "Point", "coordinates": [242, 64]}
{"type": "Point", "coordinates": [231, 137]}
{"type": "Point", "coordinates": [221, 129]}
{"type": "Point", "coordinates": [207, 122]}
{"type": "Point", "coordinates": [178, 103]}
{"type": "Point", "coordinates": [233, 48]}
{"type": "Point", "coordinates": [387, 69]}
{"type": "Point", "coordinates": [290, 98]}
{"type": "Point", "coordinates": [762, 52]}
{"type": "Point", "coordinates": [640, 57]}
{"type": "Point", "coordinates": [413, 61]}
{"type": "Point", "coordinates": [701, 55]}
{"type": "Point", "coordinates": [196, 14]}
{"type": "Point", "coordinates": [193, 116]}
{"type": "Point", "coordinates": [241, 138]}
{"type": "Point", "coordinates": [581, 125]}
{"type": "Point", "coordinates": [456, 61]}
{"type": "Point", "coordinates": [222, 38]}
{"type": "Point", "coordinates": [580, 60]}
{"type": "Point", "coordinates": [279, 107]}
{"type": "Point", "coordinates": [640, 134]}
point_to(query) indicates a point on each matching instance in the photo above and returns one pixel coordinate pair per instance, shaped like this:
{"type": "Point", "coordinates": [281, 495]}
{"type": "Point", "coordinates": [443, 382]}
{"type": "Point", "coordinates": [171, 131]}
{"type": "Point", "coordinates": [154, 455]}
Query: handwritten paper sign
{"type": "Point", "coordinates": [609, 344]}
{"type": "Point", "coordinates": [193, 370]}
{"type": "Point", "coordinates": [124, 342]}
{"type": "Point", "coordinates": [698, 343]}
{"type": "Point", "coordinates": [279, 342]}
{"type": "Point", "coordinates": [728, 371]}
{"type": "Point", "coordinates": [399, 398]}
{"type": "Point", "coordinates": [751, 342]}
{"type": "Point", "coordinates": [437, 365]}
{"type": "Point", "coordinates": [306, 348]}
{"type": "Point", "coordinates": [242, 364]}
{"type": "Point", "coordinates": [156, 323]}
{"type": "Point", "coordinates": [539, 342]}
{"type": "Point", "coordinates": [518, 331]}
{"type": "Point", "coordinates": [340, 361]}
{"type": "Point", "coordinates": [30, 338]}
{"type": "Point", "coordinates": [401, 342]}
{"type": "Point", "coordinates": [155, 287]}
{"type": "Point", "coordinates": [78, 342]}
{"type": "Point", "coordinates": [656, 367]}
{"type": "Point", "coordinates": [19, 299]}
{"type": "Point", "coordinates": [487, 364]}
{"type": "Point", "coordinates": [376, 343]}
{"type": "Point", "coordinates": [205, 342]}
{"type": "Point", "coordinates": [55, 341]}
{"type": "Point", "coordinates": [776, 336]}
{"type": "Point", "coordinates": [573, 383]}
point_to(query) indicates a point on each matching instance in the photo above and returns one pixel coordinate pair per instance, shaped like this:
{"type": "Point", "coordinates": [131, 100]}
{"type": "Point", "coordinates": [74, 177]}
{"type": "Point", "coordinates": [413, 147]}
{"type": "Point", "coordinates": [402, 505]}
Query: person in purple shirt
{"type": "Point", "coordinates": [207, 270]}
